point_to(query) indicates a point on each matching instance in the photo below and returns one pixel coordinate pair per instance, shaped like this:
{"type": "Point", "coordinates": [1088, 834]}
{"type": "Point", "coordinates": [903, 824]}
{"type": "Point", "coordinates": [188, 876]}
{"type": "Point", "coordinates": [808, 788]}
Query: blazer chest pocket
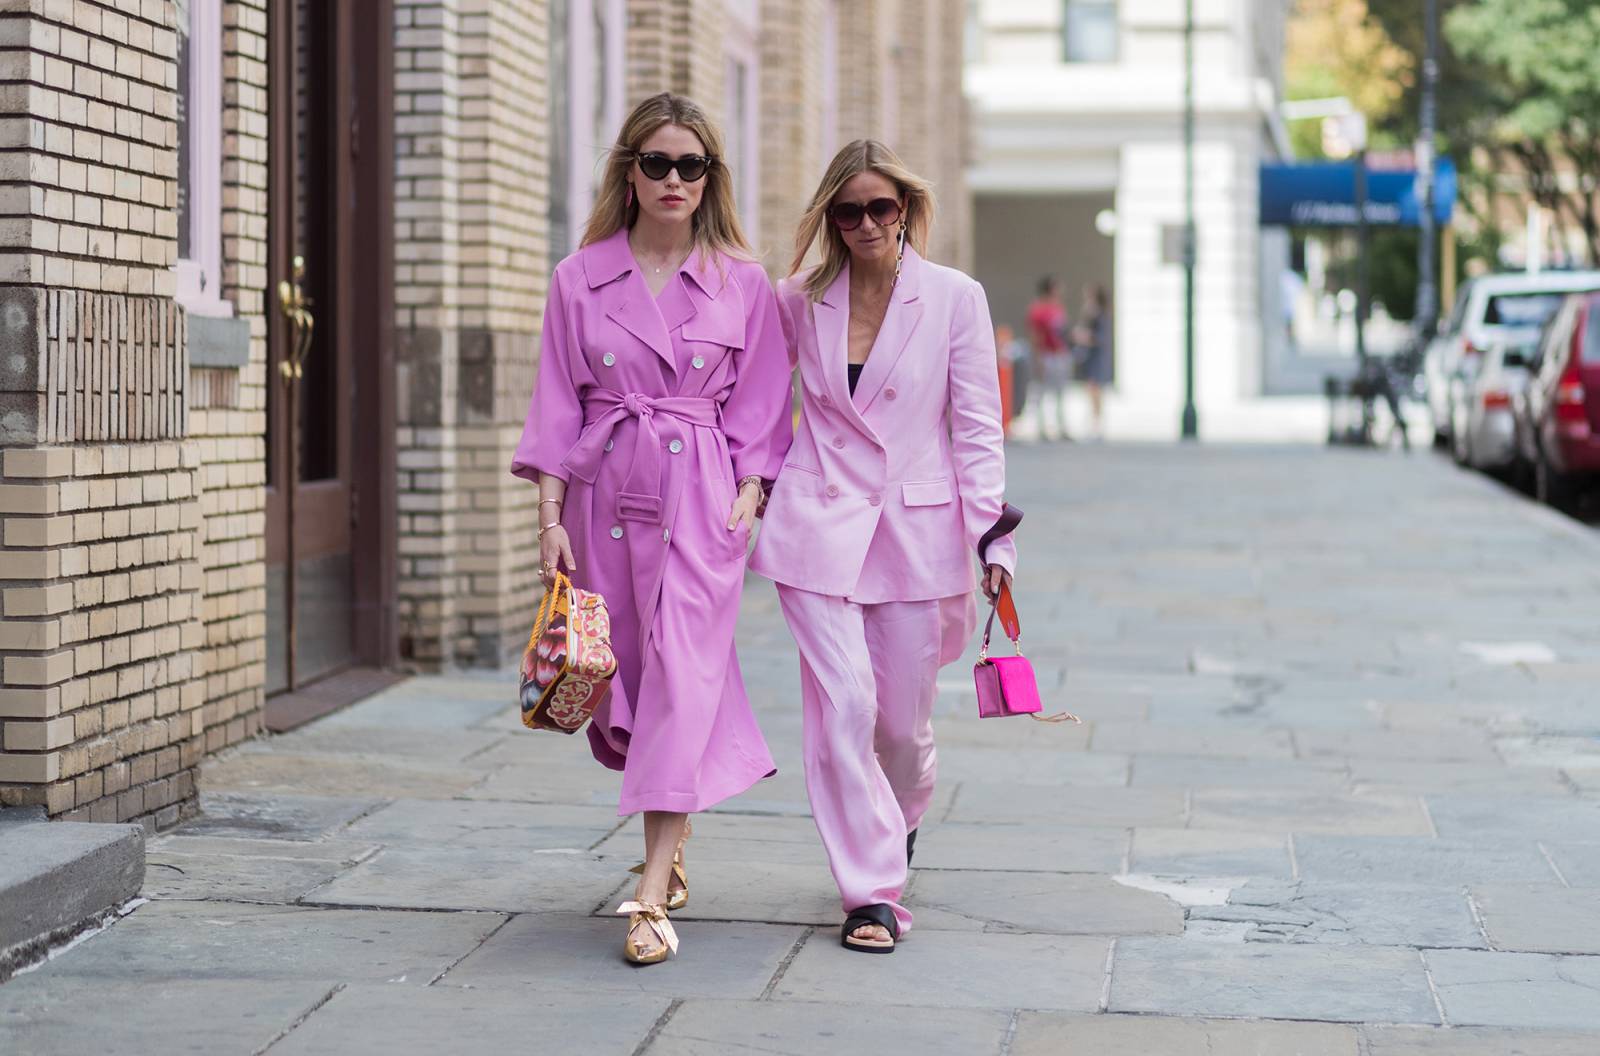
{"type": "Point", "coordinates": [926, 492]}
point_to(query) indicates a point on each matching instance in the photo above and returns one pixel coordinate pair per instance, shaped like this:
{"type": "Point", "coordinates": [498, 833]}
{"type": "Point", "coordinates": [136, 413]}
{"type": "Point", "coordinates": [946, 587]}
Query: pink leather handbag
{"type": "Point", "coordinates": [1006, 684]}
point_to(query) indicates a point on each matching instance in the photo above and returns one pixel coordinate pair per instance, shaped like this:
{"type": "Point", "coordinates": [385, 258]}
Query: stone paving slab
{"type": "Point", "coordinates": [489, 825]}
{"type": "Point", "coordinates": [1000, 804]}
{"type": "Point", "coordinates": [283, 816]}
{"type": "Point", "coordinates": [1436, 746]}
{"type": "Point", "coordinates": [398, 743]}
{"type": "Point", "coordinates": [1043, 903]}
{"type": "Point", "coordinates": [1494, 818]}
{"type": "Point", "coordinates": [1419, 861]}
{"type": "Point", "coordinates": [1310, 812]}
{"type": "Point", "coordinates": [797, 1028]}
{"type": "Point", "coordinates": [950, 969]}
{"type": "Point", "coordinates": [390, 1021]}
{"type": "Point", "coordinates": [1197, 771]}
{"type": "Point", "coordinates": [1210, 853]}
{"type": "Point", "coordinates": [1338, 914]}
{"type": "Point", "coordinates": [1033, 767]}
{"type": "Point", "coordinates": [53, 1015]}
{"type": "Point", "coordinates": [1043, 847]}
{"type": "Point", "coordinates": [1540, 919]}
{"type": "Point", "coordinates": [1353, 984]}
{"type": "Point", "coordinates": [1577, 864]}
{"type": "Point", "coordinates": [1048, 1034]}
{"type": "Point", "coordinates": [556, 953]}
{"type": "Point", "coordinates": [239, 878]}
{"type": "Point", "coordinates": [224, 940]}
{"type": "Point", "coordinates": [333, 774]}
{"type": "Point", "coordinates": [1142, 738]}
{"type": "Point", "coordinates": [426, 877]}
{"type": "Point", "coordinates": [1533, 990]}
{"type": "Point", "coordinates": [1396, 775]}
{"type": "Point", "coordinates": [1475, 1041]}
{"type": "Point", "coordinates": [758, 891]}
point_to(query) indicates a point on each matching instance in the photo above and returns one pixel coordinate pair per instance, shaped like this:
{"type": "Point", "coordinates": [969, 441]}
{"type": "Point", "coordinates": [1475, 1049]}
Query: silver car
{"type": "Point", "coordinates": [1490, 308]}
{"type": "Point", "coordinates": [1484, 391]}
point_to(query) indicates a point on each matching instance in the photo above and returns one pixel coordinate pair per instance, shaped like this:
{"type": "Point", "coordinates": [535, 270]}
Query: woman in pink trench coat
{"type": "Point", "coordinates": [897, 470]}
{"type": "Point", "coordinates": [660, 410]}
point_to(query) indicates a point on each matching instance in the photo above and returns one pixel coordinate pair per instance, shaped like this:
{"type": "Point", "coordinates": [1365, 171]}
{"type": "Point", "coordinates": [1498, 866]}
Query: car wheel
{"type": "Point", "coordinates": [1460, 449]}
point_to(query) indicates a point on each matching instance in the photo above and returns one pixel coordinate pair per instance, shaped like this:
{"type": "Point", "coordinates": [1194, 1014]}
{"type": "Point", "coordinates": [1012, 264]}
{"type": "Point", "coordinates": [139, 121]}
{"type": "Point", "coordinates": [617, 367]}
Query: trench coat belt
{"type": "Point", "coordinates": [640, 498]}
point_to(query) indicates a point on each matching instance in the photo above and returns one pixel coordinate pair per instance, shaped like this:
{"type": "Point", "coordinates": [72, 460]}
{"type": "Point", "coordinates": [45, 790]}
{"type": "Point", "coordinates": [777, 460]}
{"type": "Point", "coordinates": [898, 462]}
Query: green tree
{"type": "Point", "coordinates": [1545, 55]}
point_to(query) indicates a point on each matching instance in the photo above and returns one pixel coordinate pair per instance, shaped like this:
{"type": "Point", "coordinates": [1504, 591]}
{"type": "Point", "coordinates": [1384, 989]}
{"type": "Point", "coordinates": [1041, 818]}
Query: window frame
{"type": "Point", "coordinates": [198, 277]}
{"type": "Point", "coordinates": [1067, 57]}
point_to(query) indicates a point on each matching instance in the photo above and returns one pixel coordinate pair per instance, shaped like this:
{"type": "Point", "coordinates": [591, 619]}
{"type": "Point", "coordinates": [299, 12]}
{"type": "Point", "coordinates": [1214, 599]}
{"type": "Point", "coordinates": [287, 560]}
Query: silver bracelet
{"type": "Point", "coordinates": [753, 477]}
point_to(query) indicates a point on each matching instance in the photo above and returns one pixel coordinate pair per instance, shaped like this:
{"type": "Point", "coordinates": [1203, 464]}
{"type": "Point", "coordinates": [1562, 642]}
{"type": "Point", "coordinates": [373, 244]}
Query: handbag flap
{"type": "Point", "coordinates": [1018, 688]}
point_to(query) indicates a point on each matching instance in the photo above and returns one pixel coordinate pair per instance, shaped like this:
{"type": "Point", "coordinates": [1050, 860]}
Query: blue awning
{"type": "Point", "coordinates": [1323, 194]}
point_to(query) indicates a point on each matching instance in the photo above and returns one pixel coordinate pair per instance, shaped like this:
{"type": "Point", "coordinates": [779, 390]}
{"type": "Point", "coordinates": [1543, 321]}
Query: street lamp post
{"type": "Point", "coordinates": [1191, 422]}
{"type": "Point", "coordinates": [1427, 282]}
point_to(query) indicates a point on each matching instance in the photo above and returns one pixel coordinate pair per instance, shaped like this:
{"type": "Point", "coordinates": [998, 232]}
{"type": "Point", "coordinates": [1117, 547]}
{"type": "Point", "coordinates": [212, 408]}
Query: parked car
{"type": "Point", "coordinates": [1558, 416]}
{"type": "Point", "coordinates": [1483, 427]}
{"type": "Point", "coordinates": [1491, 308]}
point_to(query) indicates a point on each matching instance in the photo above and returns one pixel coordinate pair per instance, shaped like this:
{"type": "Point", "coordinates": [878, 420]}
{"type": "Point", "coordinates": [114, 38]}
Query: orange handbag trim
{"type": "Point", "coordinates": [568, 666]}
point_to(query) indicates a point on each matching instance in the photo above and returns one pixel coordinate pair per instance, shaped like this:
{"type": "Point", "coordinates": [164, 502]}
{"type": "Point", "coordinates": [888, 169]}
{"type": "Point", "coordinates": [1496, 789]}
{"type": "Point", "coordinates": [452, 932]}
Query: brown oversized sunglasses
{"type": "Point", "coordinates": [846, 216]}
{"type": "Point", "coordinates": [690, 167]}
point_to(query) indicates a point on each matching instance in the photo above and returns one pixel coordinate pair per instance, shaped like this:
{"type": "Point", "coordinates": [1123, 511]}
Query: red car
{"type": "Point", "coordinates": [1558, 417]}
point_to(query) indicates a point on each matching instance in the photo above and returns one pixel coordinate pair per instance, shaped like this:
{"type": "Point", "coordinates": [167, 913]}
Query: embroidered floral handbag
{"type": "Point", "coordinates": [568, 666]}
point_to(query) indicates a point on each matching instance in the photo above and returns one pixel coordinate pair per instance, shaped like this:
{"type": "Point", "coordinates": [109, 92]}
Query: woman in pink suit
{"type": "Point", "coordinates": [896, 471]}
{"type": "Point", "coordinates": [660, 410]}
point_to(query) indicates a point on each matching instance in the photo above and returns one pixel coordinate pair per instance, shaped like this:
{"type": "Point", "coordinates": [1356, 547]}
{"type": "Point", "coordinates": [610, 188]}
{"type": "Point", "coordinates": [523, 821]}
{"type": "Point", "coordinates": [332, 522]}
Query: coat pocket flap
{"type": "Point", "coordinates": [926, 492]}
{"type": "Point", "coordinates": [718, 328]}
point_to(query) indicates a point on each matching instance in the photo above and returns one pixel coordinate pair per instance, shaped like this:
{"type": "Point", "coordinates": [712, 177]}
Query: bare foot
{"type": "Point", "coordinates": [871, 933]}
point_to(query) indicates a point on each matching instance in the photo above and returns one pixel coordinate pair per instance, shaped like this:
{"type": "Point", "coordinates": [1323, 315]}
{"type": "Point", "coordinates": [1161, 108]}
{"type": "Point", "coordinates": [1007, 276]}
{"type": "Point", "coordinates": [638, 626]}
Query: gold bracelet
{"type": "Point", "coordinates": [543, 501]}
{"type": "Point", "coordinates": [755, 477]}
{"type": "Point", "coordinates": [546, 527]}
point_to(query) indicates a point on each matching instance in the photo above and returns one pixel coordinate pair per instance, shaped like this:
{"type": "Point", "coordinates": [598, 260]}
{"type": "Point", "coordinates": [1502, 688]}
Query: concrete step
{"type": "Point", "coordinates": [58, 877]}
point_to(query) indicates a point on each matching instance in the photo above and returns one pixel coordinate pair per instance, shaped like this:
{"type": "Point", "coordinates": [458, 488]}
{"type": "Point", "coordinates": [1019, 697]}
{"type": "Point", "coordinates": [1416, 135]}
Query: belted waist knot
{"type": "Point", "coordinates": [640, 497]}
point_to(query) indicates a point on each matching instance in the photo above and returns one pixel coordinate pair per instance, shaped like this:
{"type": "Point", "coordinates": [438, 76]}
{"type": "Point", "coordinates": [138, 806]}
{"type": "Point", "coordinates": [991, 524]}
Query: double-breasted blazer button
{"type": "Point", "coordinates": [874, 499]}
{"type": "Point", "coordinates": [697, 362]}
{"type": "Point", "coordinates": [824, 400]}
{"type": "Point", "coordinates": [838, 442]}
{"type": "Point", "coordinates": [833, 491]}
{"type": "Point", "coordinates": [609, 360]}
{"type": "Point", "coordinates": [675, 447]}
{"type": "Point", "coordinates": [616, 531]}
{"type": "Point", "coordinates": [889, 393]}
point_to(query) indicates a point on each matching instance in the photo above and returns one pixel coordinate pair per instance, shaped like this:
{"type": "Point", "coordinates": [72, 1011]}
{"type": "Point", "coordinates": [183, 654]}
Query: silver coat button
{"type": "Point", "coordinates": [610, 444]}
{"type": "Point", "coordinates": [666, 535]}
{"type": "Point", "coordinates": [675, 447]}
{"type": "Point", "coordinates": [609, 360]}
{"type": "Point", "coordinates": [697, 362]}
{"type": "Point", "coordinates": [616, 531]}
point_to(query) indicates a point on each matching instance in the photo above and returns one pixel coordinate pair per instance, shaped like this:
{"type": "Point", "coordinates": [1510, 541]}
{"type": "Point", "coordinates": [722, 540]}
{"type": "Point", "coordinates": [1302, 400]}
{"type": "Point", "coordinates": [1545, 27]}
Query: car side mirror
{"type": "Point", "coordinates": [1514, 359]}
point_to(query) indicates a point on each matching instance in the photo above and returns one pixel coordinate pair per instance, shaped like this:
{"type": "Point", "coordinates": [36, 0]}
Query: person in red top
{"type": "Point", "coordinates": [1052, 359]}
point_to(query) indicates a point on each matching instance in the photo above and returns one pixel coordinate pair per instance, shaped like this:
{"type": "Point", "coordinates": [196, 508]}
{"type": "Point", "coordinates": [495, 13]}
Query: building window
{"type": "Point", "coordinates": [199, 113]}
{"type": "Point", "coordinates": [585, 71]}
{"type": "Point", "coordinates": [1089, 30]}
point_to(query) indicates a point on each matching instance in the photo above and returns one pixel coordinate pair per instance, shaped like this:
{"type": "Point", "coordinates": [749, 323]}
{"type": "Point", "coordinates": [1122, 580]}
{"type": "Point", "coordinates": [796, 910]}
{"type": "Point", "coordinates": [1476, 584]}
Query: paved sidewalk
{"type": "Point", "coordinates": [1338, 793]}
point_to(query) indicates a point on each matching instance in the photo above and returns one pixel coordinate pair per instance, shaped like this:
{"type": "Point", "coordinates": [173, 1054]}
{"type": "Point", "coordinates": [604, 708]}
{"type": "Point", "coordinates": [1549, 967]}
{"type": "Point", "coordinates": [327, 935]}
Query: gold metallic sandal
{"type": "Point", "coordinates": [656, 917]}
{"type": "Point", "coordinates": [676, 900]}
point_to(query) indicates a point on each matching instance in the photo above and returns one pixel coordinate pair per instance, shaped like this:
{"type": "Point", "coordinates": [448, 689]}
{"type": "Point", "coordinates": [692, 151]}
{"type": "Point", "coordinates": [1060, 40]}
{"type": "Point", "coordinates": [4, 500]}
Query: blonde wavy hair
{"type": "Point", "coordinates": [716, 221]}
{"type": "Point", "coordinates": [863, 155]}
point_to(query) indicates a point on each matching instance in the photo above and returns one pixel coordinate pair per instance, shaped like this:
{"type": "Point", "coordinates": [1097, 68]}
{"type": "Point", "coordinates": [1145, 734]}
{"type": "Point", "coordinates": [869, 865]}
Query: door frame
{"type": "Point", "coordinates": [364, 100]}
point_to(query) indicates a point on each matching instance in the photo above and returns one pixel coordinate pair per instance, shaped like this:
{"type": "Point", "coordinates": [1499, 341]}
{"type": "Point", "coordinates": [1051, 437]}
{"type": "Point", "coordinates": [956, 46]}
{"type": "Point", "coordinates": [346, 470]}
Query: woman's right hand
{"type": "Point", "coordinates": [555, 549]}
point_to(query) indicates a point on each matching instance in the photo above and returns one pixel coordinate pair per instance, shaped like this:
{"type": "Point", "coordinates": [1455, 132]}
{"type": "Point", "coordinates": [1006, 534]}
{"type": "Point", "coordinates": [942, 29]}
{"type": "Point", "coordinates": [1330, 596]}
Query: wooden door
{"type": "Point", "coordinates": [330, 419]}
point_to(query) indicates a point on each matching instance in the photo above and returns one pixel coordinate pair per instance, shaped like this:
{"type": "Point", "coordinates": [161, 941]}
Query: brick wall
{"type": "Point", "coordinates": [470, 236]}
{"type": "Point", "coordinates": [791, 122]}
{"type": "Point", "coordinates": [130, 490]}
{"type": "Point", "coordinates": [675, 46]}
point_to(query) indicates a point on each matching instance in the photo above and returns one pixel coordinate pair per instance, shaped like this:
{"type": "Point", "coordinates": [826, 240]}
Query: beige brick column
{"type": "Point", "coordinates": [676, 46]}
{"type": "Point", "coordinates": [101, 662]}
{"type": "Point", "coordinates": [470, 238]}
{"type": "Point", "coordinates": [791, 122]}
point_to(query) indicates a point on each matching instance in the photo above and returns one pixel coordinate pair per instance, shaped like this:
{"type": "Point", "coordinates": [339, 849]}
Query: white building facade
{"type": "Point", "coordinates": [1079, 173]}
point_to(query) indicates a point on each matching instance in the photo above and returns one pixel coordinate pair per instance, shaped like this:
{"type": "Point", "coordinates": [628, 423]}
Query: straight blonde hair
{"type": "Point", "coordinates": [716, 221]}
{"type": "Point", "coordinates": [863, 155]}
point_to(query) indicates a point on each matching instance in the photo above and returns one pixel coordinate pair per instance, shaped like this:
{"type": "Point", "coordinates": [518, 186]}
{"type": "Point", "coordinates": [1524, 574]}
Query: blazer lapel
{"type": "Point", "coordinates": [832, 316]}
{"type": "Point", "coordinates": [899, 324]}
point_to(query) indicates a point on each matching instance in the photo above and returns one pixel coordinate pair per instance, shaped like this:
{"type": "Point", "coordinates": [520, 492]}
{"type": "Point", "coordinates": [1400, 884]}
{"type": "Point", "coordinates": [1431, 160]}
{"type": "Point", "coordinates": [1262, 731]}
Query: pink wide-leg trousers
{"type": "Point", "coordinates": [867, 684]}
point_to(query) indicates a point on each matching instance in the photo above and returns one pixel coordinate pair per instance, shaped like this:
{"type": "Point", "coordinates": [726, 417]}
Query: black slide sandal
{"type": "Point", "coordinates": [878, 913]}
{"type": "Point", "coordinates": [911, 845]}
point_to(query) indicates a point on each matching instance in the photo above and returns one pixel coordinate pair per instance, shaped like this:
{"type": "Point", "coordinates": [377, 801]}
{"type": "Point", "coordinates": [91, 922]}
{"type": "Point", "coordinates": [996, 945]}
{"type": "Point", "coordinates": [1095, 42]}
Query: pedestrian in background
{"type": "Point", "coordinates": [1091, 341]}
{"type": "Point", "coordinates": [1052, 360]}
{"type": "Point", "coordinates": [661, 408]}
{"type": "Point", "coordinates": [897, 469]}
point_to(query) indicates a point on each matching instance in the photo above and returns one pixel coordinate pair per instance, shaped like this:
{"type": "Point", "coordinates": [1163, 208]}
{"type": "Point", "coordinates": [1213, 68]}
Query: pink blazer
{"type": "Point", "coordinates": [883, 495]}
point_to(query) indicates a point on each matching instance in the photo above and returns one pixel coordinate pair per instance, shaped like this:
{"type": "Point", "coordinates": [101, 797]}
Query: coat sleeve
{"type": "Point", "coordinates": [977, 438]}
{"type": "Point", "coordinates": [755, 416]}
{"type": "Point", "coordinates": [555, 416]}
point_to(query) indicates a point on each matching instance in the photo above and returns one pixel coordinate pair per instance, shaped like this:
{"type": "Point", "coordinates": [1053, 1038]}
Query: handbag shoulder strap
{"type": "Point", "coordinates": [1007, 523]}
{"type": "Point", "coordinates": [1006, 608]}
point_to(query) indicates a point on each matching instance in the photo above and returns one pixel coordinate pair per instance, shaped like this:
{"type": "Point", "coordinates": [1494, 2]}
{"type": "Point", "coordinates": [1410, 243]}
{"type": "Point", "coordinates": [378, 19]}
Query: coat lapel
{"type": "Point", "coordinates": [899, 324]}
{"type": "Point", "coordinates": [832, 316]}
{"type": "Point", "coordinates": [627, 302]}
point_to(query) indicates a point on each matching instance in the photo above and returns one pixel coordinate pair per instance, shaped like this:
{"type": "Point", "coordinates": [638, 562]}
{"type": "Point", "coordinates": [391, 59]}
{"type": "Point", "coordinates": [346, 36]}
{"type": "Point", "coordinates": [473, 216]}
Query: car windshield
{"type": "Point", "coordinates": [1591, 335]}
{"type": "Point", "coordinates": [1521, 309]}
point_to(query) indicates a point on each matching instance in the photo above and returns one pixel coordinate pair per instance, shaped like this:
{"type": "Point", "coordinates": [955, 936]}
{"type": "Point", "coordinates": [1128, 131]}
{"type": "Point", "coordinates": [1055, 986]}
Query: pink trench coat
{"type": "Point", "coordinates": [651, 408]}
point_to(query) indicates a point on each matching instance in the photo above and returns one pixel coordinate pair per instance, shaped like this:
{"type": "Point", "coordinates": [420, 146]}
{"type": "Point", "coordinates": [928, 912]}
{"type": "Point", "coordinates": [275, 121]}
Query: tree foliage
{"type": "Point", "coordinates": [1335, 49]}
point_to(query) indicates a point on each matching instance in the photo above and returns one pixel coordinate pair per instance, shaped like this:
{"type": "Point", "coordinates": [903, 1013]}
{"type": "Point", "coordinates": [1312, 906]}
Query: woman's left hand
{"type": "Point", "coordinates": [745, 506]}
{"type": "Point", "coordinates": [992, 580]}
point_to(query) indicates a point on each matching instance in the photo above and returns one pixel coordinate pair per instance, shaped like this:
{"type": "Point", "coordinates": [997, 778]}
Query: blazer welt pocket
{"type": "Point", "coordinates": [788, 466]}
{"type": "Point", "coordinates": [926, 492]}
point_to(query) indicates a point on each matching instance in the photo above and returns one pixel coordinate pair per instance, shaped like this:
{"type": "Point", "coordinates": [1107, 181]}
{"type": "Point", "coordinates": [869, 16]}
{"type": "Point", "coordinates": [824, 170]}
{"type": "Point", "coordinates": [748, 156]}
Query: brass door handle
{"type": "Point", "coordinates": [296, 307]}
